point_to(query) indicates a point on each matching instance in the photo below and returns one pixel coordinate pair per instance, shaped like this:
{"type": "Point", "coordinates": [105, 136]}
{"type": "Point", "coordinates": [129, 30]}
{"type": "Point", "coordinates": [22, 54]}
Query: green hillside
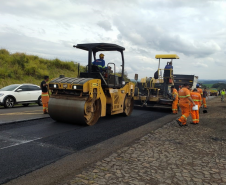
{"type": "Point", "coordinates": [22, 68]}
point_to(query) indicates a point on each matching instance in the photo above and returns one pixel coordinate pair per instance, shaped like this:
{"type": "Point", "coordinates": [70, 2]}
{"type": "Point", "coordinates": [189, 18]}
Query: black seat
{"type": "Point", "coordinates": [95, 68]}
{"type": "Point", "coordinates": [156, 75]}
{"type": "Point", "coordinates": [167, 73]}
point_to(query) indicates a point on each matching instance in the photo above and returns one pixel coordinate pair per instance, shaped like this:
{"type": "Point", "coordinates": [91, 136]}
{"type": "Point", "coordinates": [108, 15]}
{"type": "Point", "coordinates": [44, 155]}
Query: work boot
{"type": "Point", "coordinates": [192, 123]}
{"type": "Point", "coordinates": [179, 123]}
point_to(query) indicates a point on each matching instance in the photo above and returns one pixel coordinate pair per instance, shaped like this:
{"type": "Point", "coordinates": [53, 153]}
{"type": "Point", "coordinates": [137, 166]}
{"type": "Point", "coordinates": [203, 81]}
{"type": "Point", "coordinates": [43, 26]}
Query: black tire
{"type": "Point", "coordinates": [9, 102]}
{"type": "Point", "coordinates": [40, 101]}
{"type": "Point", "coordinates": [25, 104]}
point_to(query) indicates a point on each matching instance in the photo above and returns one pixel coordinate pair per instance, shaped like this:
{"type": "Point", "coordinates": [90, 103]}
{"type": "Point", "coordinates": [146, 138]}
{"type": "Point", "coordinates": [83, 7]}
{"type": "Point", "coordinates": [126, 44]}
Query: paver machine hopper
{"type": "Point", "coordinates": [94, 93]}
{"type": "Point", "coordinates": [156, 91]}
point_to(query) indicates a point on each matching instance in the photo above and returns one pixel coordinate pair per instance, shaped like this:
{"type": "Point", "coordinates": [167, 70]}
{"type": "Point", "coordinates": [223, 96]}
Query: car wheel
{"type": "Point", "coordinates": [40, 101]}
{"type": "Point", "coordinates": [26, 104]}
{"type": "Point", "coordinates": [9, 102]}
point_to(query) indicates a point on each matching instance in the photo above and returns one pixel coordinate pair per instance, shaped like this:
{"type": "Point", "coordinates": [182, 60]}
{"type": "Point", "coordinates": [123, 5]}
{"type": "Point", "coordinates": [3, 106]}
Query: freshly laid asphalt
{"type": "Point", "coordinates": [30, 145]}
{"type": "Point", "coordinates": [19, 112]}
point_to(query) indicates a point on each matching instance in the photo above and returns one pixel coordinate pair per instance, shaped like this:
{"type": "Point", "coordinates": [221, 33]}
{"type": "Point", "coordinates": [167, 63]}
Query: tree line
{"type": "Point", "coordinates": [218, 86]}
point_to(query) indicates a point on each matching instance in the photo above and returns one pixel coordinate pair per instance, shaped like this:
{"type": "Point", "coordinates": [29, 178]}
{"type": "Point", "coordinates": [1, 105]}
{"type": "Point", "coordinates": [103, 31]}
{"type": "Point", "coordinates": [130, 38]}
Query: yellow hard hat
{"type": "Point", "coordinates": [101, 55]}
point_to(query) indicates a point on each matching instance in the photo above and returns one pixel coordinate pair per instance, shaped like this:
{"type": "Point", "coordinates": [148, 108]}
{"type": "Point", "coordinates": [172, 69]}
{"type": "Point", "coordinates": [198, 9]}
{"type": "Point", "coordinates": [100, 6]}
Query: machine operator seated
{"type": "Point", "coordinates": [100, 63]}
{"type": "Point", "coordinates": [167, 69]}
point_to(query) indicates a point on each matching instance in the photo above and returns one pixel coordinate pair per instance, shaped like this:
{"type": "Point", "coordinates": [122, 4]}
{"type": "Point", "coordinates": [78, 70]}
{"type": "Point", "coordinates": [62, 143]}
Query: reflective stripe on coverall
{"type": "Point", "coordinates": [100, 63]}
{"type": "Point", "coordinates": [195, 113]}
{"type": "Point", "coordinates": [199, 90]}
{"type": "Point", "coordinates": [45, 101]}
{"type": "Point", "coordinates": [184, 104]}
{"type": "Point", "coordinates": [175, 102]}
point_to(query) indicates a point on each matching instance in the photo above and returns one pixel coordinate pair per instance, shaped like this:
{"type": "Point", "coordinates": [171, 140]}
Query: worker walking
{"type": "Point", "coordinates": [45, 94]}
{"type": "Point", "coordinates": [175, 99]}
{"type": "Point", "coordinates": [184, 103]}
{"type": "Point", "coordinates": [199, 90]}
{"type": "Point", "coordinates": [222, 95]}
{"type": "Point", "coordinates": [196, 97]}
{"type": "Point", "coordinates": [205, 94]}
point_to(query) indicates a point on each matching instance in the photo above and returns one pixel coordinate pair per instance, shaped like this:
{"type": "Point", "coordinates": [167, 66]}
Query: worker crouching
{"type": "Point", "coordinates": [196, 97]}
{"type": "Point", "coordinates": [184, 103]}
{"type": "Point", "coordinates": [45, 94]}
{"type": "Point", "coordinates": [175, 100]}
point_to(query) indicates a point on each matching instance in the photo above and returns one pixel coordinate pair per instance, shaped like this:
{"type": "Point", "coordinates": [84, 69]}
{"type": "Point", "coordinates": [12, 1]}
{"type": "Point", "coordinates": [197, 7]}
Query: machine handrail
{"type": "Point", "coordinates": [161, 77]}
{"type": "Point", "coordinates": [114, 72]}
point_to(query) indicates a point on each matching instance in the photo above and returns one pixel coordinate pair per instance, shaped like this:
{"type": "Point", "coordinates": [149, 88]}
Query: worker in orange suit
{"type": "Point", "coordinates": [196, 97]}
{"type": "Point", "coordinates": [184, 103]}
{"type": "Point", "coordinates": [205, 94]}
{"type": "Point", "coordinates": [199, 90]}
{"type": "Point", "coordinates": [190, 90]}
{"type": "Point", "coordinates": [45, 94]}
{"type": "Point", "coordinates": [175, 100]}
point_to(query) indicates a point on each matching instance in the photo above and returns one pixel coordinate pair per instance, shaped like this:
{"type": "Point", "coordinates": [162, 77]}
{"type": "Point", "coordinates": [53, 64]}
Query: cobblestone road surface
{"type": "Point", "coordinates": [171, 155]}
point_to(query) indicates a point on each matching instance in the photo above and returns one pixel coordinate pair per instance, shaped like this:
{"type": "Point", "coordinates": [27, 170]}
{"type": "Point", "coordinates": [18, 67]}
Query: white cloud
{"type": "Point", "coordinates": [195, 30]}
{"type": "Point", "coordinates": [198, 64]}
{"type": "Point", "coordinates": [106, 25]}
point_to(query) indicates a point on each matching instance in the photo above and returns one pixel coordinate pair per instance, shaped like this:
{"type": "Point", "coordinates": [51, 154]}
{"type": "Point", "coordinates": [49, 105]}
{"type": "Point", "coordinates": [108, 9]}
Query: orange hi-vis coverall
{"type": "Point", "coordinates": [205, 94]}
{"type": "Point", "coordinates": [45, 101]}
{"type": "Point", "coordinates": [204, 102]}
{"type": "Point", "coordinates": [184, 104]}
{"type": "Point", "coordinates": [195, 113]}
{"type": "Point", "coordinates": [175, 101]}
{"type": "Point", "coordinates": [199, 90]}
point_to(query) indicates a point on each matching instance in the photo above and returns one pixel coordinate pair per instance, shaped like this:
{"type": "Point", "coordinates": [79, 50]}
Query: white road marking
{"type": "Point", "coordinates": [19, 142]}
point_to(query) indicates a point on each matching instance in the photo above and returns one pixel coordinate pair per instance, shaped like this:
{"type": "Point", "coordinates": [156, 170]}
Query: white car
{"type": "Point", "coordinates": [20, 94]}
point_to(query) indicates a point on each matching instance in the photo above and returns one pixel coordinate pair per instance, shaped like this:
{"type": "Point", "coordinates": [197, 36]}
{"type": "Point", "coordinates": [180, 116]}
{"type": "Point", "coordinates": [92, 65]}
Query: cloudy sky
{"type": "Point", "coordinates": [193, 29]}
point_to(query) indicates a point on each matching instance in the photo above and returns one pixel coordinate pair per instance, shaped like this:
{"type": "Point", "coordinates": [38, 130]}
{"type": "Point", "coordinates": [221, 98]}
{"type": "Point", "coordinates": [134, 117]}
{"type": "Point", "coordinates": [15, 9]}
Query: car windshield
{"type": "Point", "coordinates": [9, 88]}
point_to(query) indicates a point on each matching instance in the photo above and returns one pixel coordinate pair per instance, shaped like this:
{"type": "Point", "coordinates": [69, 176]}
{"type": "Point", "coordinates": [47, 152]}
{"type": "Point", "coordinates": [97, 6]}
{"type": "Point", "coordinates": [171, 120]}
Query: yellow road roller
{"type": "Point", "coordinates": [94, 93]}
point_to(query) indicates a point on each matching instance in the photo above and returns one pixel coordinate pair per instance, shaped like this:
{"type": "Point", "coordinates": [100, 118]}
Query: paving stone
{"type": "Point", "coordinates": [169, 155]}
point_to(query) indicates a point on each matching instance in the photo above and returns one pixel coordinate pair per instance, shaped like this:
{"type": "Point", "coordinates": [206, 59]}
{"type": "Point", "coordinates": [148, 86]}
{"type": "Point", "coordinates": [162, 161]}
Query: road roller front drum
{"type": "Point", "coordinates": [92, 112]}
{"type": "Point", "coordinates": [128, 105]}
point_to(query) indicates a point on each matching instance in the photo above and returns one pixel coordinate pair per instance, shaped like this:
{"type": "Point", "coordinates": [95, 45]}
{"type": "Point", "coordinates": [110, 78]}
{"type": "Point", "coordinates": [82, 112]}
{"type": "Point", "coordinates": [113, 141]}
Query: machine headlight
{"type": "Point", "coordinates": [74, 87]}
{"type": "Point", "coordinates": [123, 82]}
{"type": "Point", "coordinates": [1, 94]}
{"type": "Point", "coordinates": [55, 86]}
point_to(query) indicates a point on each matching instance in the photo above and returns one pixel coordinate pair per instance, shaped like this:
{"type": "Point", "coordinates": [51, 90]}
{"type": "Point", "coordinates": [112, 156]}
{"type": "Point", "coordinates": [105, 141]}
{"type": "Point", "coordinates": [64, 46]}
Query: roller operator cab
{"type": "Point", "coordinates": [94, 93]}
{"type": "Point", "coordinates": [156, 91]}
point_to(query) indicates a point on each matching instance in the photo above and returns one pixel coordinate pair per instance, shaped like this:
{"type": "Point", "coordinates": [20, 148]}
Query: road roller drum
{"type": "Point", "coordinates": [93, 94]}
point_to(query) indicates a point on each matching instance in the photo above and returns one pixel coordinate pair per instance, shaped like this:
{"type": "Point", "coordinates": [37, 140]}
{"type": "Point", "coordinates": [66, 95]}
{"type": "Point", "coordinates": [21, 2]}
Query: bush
{"type": "Point", "coordinates": [219, 86]}
{"type": "Point", "coordinates": [20, 59]}
{"type": "Point", "coordinates": [4, 52]}
{"type": "Point", "coordinates": [22, 68]}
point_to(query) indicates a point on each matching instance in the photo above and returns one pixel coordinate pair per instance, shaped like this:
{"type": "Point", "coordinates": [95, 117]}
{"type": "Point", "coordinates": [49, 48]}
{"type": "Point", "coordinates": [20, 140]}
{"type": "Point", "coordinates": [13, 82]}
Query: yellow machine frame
{"type": "Point", "coordinates": [143, 100]}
